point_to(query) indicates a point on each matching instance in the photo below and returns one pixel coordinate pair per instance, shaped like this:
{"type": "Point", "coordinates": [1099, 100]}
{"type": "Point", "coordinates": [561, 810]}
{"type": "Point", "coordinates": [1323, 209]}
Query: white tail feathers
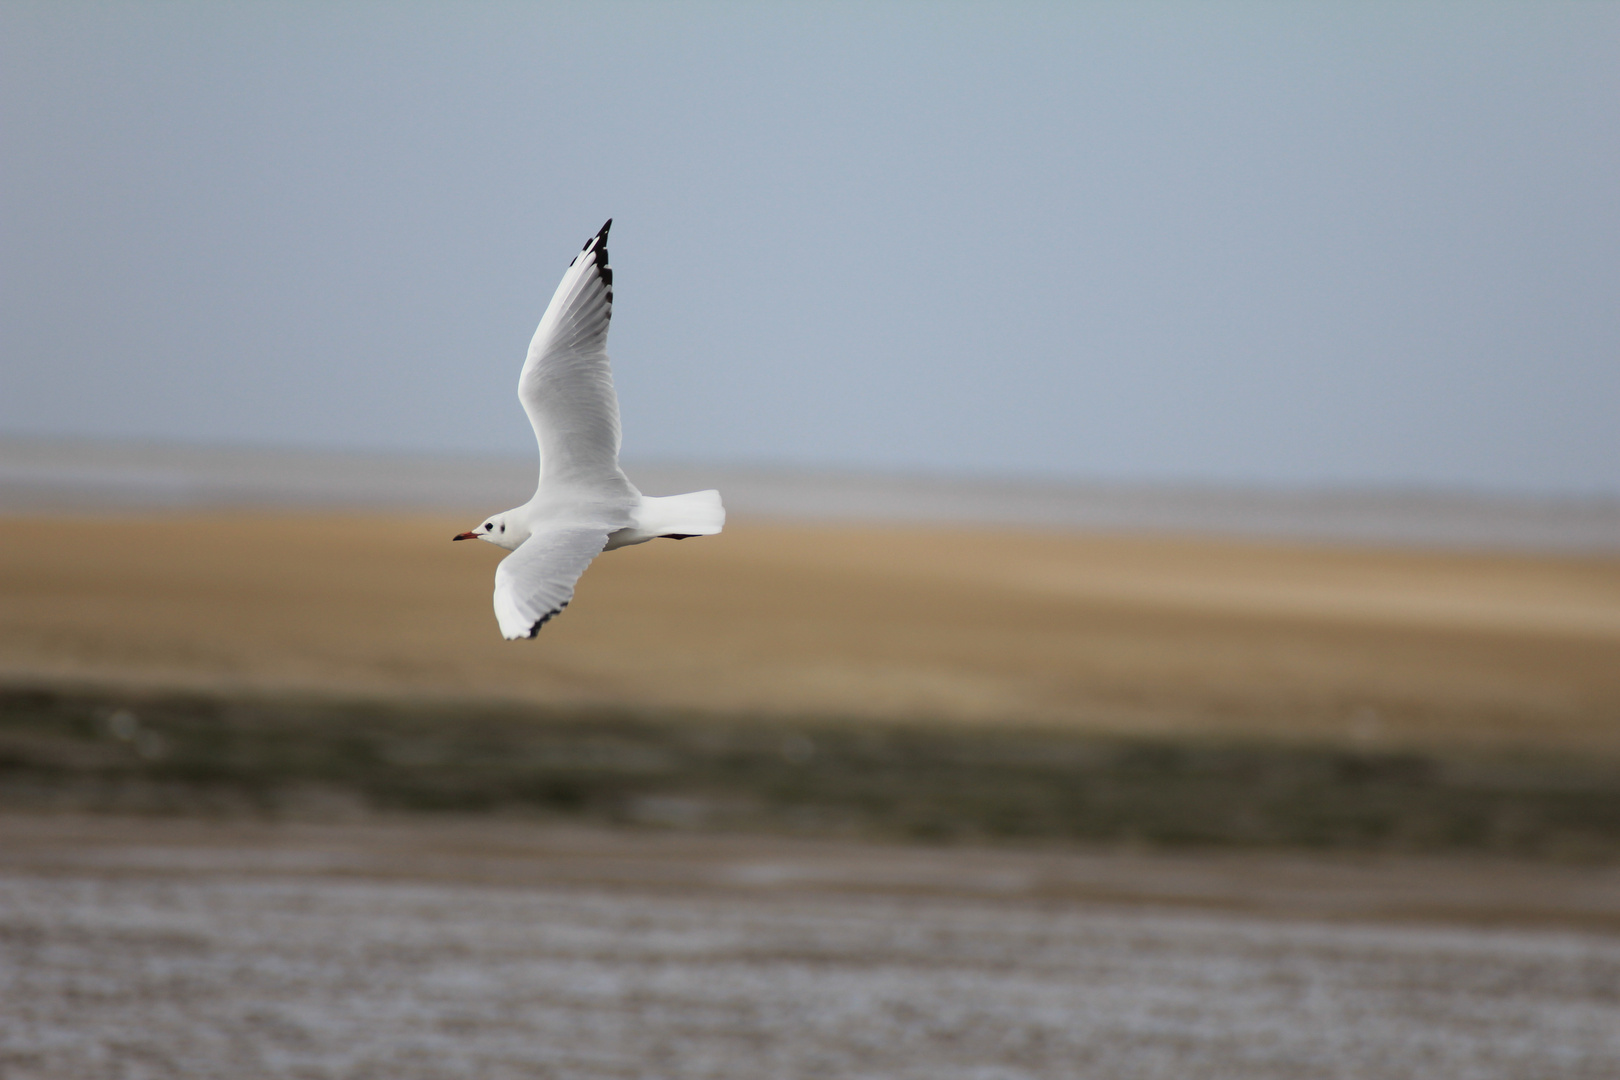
{"type": "Point", "coordinates": [697, 513]}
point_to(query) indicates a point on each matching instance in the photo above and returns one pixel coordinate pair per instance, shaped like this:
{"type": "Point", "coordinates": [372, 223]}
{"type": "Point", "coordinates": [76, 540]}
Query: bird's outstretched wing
{"type": "Point", "coordinates": [536, 581]}
{"type": "Point", "coordinates": [567, 387]}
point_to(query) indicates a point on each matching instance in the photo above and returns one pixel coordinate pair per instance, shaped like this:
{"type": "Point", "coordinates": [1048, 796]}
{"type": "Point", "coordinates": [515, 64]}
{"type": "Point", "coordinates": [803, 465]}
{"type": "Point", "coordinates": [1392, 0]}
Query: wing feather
{"type": "Point", "coordinates": [567, 384]}
{"type": "Point", "coordinates": [535, 582]}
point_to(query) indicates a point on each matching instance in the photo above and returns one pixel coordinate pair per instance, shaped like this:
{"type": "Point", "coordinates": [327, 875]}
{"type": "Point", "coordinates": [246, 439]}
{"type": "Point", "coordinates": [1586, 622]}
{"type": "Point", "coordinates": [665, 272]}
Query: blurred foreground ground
{"type": "Point", "coordinates": [150, 948]}
{"type": "Point", "coordinates": [283, 684]}
{"type": "Point", "coordinates": [1376, 647]}
{"type": "Point", "coordinates": [286, 758]}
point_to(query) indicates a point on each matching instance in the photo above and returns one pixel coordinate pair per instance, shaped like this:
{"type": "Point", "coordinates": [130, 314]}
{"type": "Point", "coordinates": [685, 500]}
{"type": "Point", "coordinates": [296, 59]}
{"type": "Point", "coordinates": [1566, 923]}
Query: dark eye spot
{"type": "Point", "coordinates": [488, 525]}
{"type": "Point", "coordinates": [503, 528]}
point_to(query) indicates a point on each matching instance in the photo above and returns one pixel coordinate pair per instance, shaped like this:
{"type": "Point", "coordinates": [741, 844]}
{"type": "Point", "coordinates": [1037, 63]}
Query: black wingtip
{"type": "Point", "coordinates": [547, 617]}
{"type": "Point", "coordinates": [600, 239]}
{"type": "Point", "coordinates": [598, 243]}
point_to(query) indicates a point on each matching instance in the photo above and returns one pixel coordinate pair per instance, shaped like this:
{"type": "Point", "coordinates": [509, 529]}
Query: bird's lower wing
{"type": "Point", "coordinates": [535, 582]}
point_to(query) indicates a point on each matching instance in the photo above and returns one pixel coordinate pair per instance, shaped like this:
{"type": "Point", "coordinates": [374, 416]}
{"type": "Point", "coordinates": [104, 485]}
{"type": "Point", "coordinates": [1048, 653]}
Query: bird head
{"type": "Point", "coordinates": [500, 530]}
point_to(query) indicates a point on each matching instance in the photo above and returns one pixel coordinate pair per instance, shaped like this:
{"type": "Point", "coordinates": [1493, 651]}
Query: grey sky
{"type": "Point", "coordinates": [1291, 243]}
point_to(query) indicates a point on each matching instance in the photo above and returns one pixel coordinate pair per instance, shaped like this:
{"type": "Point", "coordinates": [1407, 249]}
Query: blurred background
{"type": "Point", "coordinates": [1155, 435]}
{"type": "Point", "coordinates": [1254, 244]}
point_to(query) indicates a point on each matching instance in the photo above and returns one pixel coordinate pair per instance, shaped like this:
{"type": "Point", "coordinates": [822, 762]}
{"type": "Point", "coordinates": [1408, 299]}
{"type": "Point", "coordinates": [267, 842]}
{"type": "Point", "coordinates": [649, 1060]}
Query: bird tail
{"type": "Point", "coordinates": [697, 513]}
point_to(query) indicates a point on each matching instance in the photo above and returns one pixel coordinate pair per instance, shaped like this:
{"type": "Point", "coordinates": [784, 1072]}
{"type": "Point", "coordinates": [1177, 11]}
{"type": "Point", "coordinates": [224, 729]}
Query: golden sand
{"type": "Point", "coordinates": [1111, 633]}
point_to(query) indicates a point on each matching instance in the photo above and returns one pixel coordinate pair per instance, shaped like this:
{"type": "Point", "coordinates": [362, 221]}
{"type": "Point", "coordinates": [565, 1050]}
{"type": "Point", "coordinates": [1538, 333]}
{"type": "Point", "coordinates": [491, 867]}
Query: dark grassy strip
{"type": "Point", "coordinates": [190, 754]}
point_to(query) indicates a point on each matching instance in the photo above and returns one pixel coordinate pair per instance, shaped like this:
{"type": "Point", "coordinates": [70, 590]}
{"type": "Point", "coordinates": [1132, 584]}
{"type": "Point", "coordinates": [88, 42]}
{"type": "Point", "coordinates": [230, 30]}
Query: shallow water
{"type": "Point", "coordinates": [40, 474]}
{"type": "Point", "coordinates": [203, 966]}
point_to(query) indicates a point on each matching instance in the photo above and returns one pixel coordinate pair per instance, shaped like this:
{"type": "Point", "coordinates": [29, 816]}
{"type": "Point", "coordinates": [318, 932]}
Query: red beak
{"type": "Point", "coordinates": [465, 536]}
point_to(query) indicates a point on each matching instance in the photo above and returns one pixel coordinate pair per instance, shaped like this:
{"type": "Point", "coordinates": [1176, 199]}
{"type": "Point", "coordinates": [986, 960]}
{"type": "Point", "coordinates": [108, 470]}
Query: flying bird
{"type": "Point", "coordinates": [584, 503]}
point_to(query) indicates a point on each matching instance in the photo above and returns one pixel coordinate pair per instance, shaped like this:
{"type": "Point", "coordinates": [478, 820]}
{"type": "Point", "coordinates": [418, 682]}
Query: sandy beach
{"type": "Point", "coordinates": [1376, 646]}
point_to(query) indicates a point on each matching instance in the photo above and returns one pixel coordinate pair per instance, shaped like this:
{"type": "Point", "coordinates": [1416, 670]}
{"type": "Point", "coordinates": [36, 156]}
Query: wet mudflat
{"type": "Point", "coordinates": [158, 948]}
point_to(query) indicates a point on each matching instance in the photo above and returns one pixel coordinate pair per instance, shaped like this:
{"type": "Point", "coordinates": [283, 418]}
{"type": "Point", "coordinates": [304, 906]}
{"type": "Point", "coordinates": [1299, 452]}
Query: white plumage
{"type": "Point", "coordinates": [584, 504]}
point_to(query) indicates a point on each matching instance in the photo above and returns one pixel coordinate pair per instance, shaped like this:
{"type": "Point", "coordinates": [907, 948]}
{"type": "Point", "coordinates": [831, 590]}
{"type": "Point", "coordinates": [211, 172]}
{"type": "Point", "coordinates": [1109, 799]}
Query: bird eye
{"type": "Point", "coordinates": [488, 525]}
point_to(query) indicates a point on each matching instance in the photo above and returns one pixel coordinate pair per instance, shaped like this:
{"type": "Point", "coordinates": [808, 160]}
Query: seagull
{"type": "Point", "coordinates": [584, 503]}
